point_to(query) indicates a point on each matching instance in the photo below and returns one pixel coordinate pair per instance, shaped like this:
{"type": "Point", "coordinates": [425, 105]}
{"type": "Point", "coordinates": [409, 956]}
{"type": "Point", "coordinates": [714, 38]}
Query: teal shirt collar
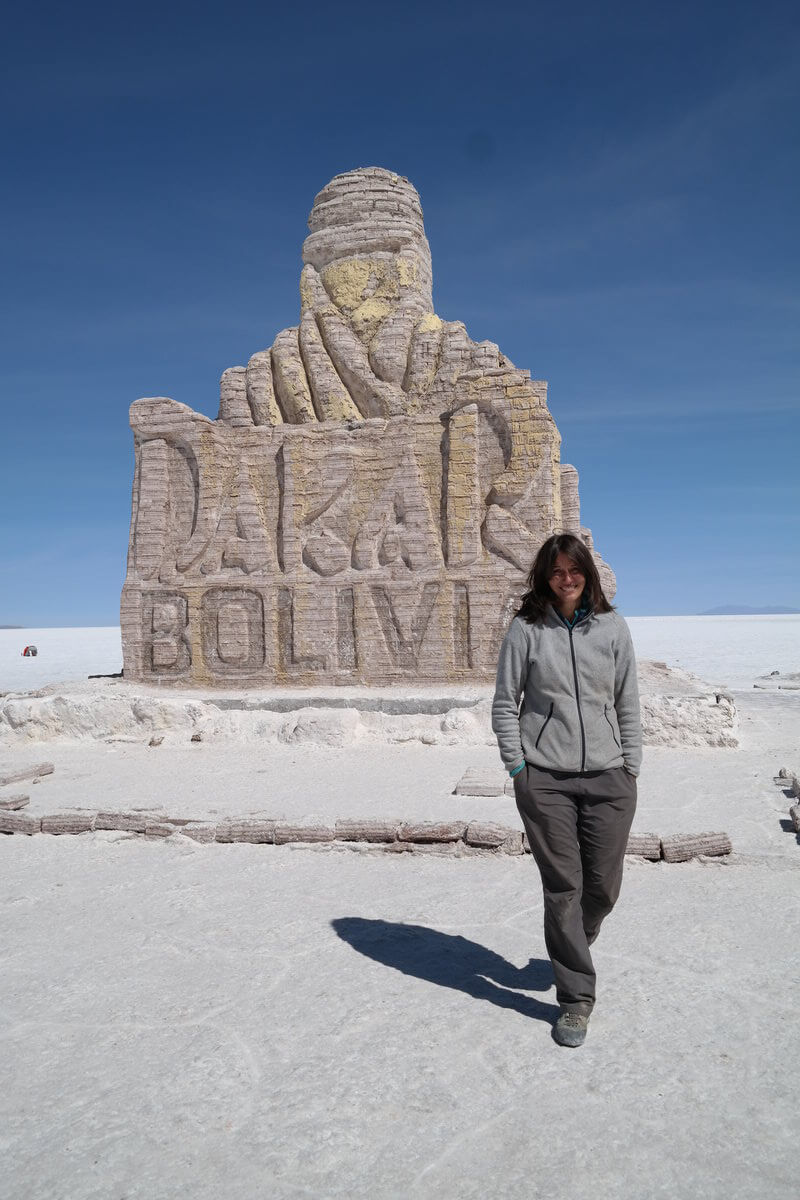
{"type": "Point", "coordinates": [583, 610]}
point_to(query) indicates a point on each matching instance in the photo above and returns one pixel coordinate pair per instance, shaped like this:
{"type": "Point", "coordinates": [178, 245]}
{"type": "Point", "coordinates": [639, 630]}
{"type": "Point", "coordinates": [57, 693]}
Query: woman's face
{"type": "Point", "coordinates": [566, 582]}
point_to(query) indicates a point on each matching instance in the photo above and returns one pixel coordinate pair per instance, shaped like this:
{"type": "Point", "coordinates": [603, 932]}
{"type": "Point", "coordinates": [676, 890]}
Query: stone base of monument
{"type": "Point", "coordinates": [677, 710]}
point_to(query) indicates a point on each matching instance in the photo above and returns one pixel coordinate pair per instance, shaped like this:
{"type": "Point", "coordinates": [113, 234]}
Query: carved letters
{"type": "Point", "coordinates": [236, 623]}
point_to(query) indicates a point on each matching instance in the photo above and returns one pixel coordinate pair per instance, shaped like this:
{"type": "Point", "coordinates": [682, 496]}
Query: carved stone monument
{"type": "Point", "coordinates": [371, 495]}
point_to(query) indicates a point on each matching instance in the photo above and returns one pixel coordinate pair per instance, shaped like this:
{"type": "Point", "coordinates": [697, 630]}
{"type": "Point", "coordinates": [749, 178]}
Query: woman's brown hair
{"type": "Point", "coordinates": [538, 596]}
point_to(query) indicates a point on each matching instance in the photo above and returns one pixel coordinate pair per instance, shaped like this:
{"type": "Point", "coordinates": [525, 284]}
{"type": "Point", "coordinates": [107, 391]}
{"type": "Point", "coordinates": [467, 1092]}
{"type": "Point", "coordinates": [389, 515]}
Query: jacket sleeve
{"type": "Point", "coordinates": [626, 699]}
{"type": "Point", "coordinates": [512, 670]}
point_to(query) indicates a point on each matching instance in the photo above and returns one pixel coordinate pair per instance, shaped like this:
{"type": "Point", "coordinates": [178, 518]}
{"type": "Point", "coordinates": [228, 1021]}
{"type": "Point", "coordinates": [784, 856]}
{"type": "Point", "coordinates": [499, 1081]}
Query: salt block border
{"type": "Point", "coordinates": [446, 837]}
{"type": "Point", "coordinates": [32, 774]}
{"type": "Point", "coordinates": [15, 801]}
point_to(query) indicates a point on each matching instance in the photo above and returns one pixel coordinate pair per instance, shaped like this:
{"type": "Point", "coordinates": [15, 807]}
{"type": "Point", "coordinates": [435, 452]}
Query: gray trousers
{"type": "Point", "coordinates": [578, 827]}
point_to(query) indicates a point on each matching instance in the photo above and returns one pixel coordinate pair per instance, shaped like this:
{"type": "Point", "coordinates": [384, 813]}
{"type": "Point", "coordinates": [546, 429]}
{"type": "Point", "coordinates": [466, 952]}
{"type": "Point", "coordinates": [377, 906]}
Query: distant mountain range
{"type": "Point", "coordinates": [12, 626]}
{"type": "Point", "coordinates": [741, 610]}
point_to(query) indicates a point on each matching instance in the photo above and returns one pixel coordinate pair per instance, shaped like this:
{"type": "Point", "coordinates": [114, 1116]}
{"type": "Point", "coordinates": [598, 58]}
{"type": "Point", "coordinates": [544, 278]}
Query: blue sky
{"type": "Point", "coordinates": [610, 193]}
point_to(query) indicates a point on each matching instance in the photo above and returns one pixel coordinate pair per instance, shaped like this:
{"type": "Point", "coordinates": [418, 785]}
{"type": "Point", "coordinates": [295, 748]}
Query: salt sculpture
{"type": "Point", "coordinates": [368, 501]}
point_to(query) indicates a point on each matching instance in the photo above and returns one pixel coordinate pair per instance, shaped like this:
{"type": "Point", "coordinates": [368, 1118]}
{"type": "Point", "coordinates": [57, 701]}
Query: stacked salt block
{"type": "Point", "coordinates": [12, 819]}
{"type": "Point", "coordinates": [251, 829]}
{"type": "Point", "coordinates": [134, 821]}
{"type": "Point", "coordinates": [486, 835]}
{"type": "Point", "coordinates": [367, 504]}
{"type": "Point", "coordinates": [791, 782]}
{"type": "Point", "coordinates": [19, 822]}
{"type": "Point", "coordinates": [34, 773]}
{"type": "Point", "coordinates": [644, 845]}
{"type": "Point", "coordinates": [199, 831]}
{"type": "Point", "coordinates": [681, 847]}
{"type": "Point", "coordinates": [483, 781]}
{"type": "Point", "coordinates": [445, 837]}
{"type": "Point", "coordinates": [431, 831]}
{"type": "Point", "coordinates": [159, 829]}
{"type": "Point", "coordinates": [69, 822]}
{"type": "Point", "coordinates": [366, 830]}
{"type": "Point", "coordinates": [302, 831]}
{"type": "Point", "coordinates": [15, 801]}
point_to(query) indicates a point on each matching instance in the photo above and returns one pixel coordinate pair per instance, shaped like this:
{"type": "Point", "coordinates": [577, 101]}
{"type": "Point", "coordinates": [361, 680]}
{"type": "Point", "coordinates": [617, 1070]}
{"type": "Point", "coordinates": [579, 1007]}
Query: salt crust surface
{"type": "Point", "coordinates": [233, 1020]}
{"type": "Point", "coordinates": [208, 1021]}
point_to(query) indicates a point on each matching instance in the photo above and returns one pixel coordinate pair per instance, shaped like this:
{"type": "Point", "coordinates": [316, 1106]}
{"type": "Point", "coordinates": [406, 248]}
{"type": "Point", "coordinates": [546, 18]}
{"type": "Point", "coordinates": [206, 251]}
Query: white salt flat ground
{"type": "Point", "coordinates": [63, 654]}
{"type": "Point", "coordinates": [236, 1021]}
{"type": "Point", "coordinates": [206, 1021]}
{"type": "Point", "coordinates": [723, 650]}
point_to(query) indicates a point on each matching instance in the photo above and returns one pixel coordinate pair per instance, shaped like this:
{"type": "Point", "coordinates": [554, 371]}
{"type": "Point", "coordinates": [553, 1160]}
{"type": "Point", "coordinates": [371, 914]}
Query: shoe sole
{"type": "Point", "coordinates": [569, 1045]}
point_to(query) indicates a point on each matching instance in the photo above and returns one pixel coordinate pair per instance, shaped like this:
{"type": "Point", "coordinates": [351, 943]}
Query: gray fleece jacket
{"type": "Point", "coordinates": [580, 697]}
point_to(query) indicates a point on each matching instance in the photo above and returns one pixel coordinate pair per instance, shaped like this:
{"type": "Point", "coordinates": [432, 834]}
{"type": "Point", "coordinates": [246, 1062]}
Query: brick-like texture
{"type": "Point", "coordinates": [367, 504]}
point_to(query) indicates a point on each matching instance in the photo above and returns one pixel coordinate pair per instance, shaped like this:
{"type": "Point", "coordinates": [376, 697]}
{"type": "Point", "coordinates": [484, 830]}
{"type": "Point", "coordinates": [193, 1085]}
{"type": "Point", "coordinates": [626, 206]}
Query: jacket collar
{"type": "Point", "coordinates": [583, 611]}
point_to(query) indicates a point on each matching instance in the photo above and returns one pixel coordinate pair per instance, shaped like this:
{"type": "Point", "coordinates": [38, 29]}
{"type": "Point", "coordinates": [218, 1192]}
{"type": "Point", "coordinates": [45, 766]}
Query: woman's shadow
{"type": "Point", "coordinates": [451, 961]}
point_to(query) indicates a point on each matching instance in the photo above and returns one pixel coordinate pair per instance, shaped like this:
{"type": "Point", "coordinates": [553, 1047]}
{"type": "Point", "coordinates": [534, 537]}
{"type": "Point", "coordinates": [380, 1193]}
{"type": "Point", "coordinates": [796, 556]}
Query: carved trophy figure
{"type": "Point", "coordinates": [366, 504]}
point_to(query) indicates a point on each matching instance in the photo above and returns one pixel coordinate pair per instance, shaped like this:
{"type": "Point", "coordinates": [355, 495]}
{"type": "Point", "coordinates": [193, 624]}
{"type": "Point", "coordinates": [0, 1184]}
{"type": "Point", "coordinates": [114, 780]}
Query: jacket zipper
{"type": "Point", "coordinates": [578, 698]}
{"type": "Point", "coordinates": [541, 731]}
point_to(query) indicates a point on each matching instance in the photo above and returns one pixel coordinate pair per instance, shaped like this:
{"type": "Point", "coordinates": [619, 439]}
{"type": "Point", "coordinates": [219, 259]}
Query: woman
{"type": "Point", "coordinates": [573, 748]}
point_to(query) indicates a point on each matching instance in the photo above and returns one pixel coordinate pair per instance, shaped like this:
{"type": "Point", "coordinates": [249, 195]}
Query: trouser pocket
{"type": "Point", "coordinates": [519, 782]}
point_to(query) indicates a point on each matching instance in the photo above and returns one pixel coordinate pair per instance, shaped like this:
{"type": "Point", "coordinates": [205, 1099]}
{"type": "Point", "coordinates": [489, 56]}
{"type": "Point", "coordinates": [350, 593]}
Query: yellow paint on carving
{"type": "Point", "coordinates": [368, 317]}
{"type": "Point", "coordinates": [407, 271]}
{"type": "Point", "coordinates": [462, 497]}
{"type": "Point", "coordinates": [273, 412]}
{"type": "Point", "coordinates": [306, 293]}
{"type": "Point", "coordinates": [385, 279]}
{"type": "Point", "coordinates": [291, 382]}
{"type": "Point", "coordinates": [430, 323]}
{"type": "Point", "coordinates": [351, 282]}
{"type": "Point", "coordinates": [534, 438]}
{"type": "Point", "coordinates": [374, 309]}
{"type": "Point", "coordinates": [347, 281]}
{"type": "Point", "coordinates": [339, 406]}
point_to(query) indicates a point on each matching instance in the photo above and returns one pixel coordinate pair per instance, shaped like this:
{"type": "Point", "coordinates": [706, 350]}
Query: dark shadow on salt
{"type": "Point", "coordinates": [788, 827]}
{"type": "Point", "coordinates": [451, 961]}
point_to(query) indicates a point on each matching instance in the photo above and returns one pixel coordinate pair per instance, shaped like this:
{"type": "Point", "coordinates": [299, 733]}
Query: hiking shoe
{"type": "Point", "coordinates": [570, 1029]}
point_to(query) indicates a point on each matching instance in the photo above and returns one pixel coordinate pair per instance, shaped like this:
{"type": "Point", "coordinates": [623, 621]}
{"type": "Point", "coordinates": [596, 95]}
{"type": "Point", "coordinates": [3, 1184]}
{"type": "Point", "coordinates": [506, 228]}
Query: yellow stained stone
{"type": "Point", "coordinates": [347, 281]}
